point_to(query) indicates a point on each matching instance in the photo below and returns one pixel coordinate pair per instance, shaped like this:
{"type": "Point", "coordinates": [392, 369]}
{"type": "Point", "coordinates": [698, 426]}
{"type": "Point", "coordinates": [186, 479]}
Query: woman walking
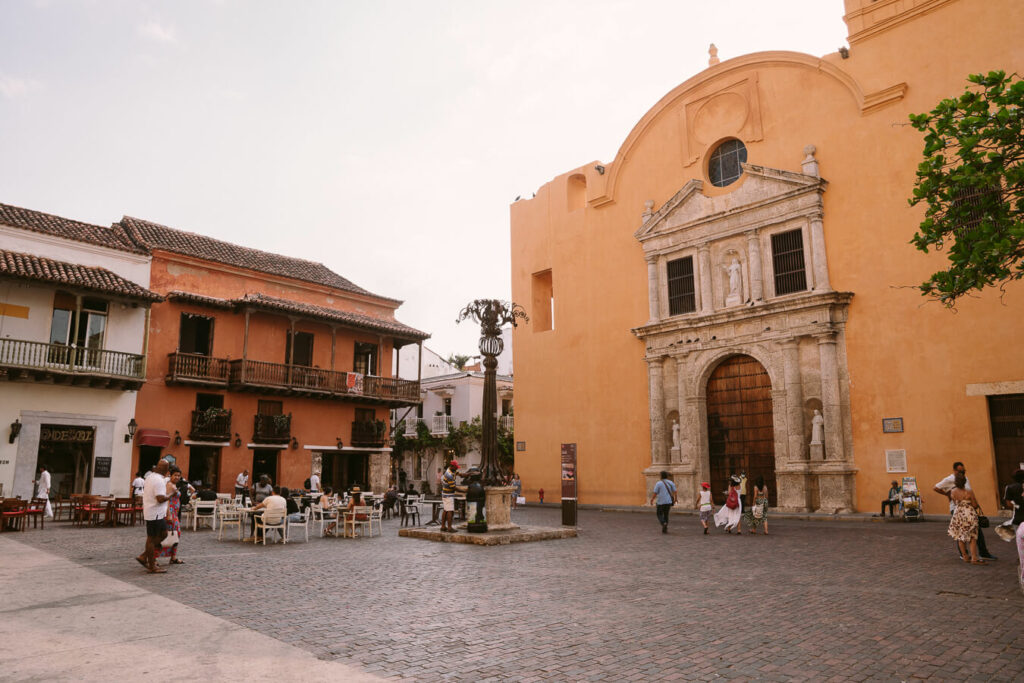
{"type": "Point", "coordinates": [963, 527]}
{"type": "Point", "coordinates": [757, 515]}
{"type": "Point", "coordinates": [704, 505]}
{"type": "Point", "coordinates": [731, 514]}
{"type": "Point", "coordinates": [173, 517]}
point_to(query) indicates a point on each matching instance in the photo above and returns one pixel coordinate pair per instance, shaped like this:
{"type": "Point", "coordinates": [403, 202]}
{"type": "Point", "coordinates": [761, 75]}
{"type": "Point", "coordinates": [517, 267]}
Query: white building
{"type": "Point", "coordinates": [74, 305]}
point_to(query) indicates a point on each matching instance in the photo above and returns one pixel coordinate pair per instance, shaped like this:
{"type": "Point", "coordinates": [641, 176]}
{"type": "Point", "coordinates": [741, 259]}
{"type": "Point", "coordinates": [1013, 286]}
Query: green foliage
{"type": "Point", "coordinates": [972, 182]}
{"type": "Point", "coordinates": [506, 449]}
{"type": "Point", "coordinates": [458, 360]}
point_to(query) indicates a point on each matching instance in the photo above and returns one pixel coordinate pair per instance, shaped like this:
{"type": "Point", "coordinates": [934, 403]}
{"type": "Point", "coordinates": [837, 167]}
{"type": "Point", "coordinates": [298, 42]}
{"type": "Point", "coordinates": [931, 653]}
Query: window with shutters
{"type": "Point", "coordinates": [788, 262]}
{"type": "Point", "coordinates": [681, 294]}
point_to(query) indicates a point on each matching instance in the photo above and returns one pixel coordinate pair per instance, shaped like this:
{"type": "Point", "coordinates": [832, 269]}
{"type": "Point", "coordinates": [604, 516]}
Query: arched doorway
{"type": "Point", "coordinates": [741, 435]}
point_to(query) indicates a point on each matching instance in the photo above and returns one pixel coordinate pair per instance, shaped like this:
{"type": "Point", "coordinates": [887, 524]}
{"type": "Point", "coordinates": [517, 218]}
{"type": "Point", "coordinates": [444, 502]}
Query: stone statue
{"type": "Point", "coordinates": [817, 428]}
{"type": "Point", "coordinates": [712, 55]}
{"type": "Point", "coordinates": [675, 433]}
{"type": "Point", "coordinates": [734, 269]}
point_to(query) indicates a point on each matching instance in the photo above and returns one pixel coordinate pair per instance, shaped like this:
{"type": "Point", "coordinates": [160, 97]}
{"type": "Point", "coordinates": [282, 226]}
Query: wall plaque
{"type": "Point", "coordinates": [520, 445]}
{"type": "Point", "coordinates": [891, 425]}
{"type": "Point", "coordinates": [102, 468]}
{"type": "Point", "coordinates": [896, 460]}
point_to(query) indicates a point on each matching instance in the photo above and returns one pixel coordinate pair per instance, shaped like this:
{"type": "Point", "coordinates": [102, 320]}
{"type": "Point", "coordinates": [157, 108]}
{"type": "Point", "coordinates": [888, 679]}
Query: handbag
{"type": "Point", "coordinates": [983, 521]}
{"type": "Point", "coordinates": [171, 540]}
{"type": "Point", "coordinates": [733, 501]}
{"type": "Point", "coordinates": [758, 511]}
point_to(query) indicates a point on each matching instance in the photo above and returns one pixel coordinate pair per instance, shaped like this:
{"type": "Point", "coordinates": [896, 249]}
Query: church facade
{"type": "Point", "coordinates": [734, 292]}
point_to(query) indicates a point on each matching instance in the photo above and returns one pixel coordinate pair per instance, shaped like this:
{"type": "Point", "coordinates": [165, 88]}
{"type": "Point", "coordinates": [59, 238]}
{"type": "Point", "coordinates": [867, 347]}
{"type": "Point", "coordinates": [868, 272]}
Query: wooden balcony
{"type": "Point", "coordinates": [31, 361]}
{"type": "Point", "coordinates": [369, 433]}
{"type": "Point", "coordinates": [280, 378]}
{"type": "Point", "coordinates": [212, 424]}
{"type": "Point", "coordinates": [272, 428]}
{"type": "Point", "coordinates": [194, 368]}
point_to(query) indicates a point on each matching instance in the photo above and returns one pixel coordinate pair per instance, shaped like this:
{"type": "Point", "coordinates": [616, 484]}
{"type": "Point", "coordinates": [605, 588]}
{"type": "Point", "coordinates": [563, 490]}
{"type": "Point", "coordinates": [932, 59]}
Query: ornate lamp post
{"type": "Point", "coordinates": [492, 314]}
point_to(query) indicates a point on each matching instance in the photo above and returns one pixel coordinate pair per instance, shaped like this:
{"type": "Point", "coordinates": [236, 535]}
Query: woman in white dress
{"type": "Point", "coordinates": [731, 514]}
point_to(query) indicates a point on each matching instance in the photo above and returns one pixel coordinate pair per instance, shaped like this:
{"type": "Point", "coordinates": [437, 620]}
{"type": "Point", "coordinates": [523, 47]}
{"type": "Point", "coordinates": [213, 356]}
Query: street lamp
{"type": "Point", "coordinates": [132, 426]}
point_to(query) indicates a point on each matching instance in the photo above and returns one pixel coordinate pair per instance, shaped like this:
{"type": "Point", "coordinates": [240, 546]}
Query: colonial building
{"type": "Point", "coordinates": [74, 305]}
{"type": "Point", "coordinates": [268, 363]}
{"type": "Point", "coordinates": [735, 290]}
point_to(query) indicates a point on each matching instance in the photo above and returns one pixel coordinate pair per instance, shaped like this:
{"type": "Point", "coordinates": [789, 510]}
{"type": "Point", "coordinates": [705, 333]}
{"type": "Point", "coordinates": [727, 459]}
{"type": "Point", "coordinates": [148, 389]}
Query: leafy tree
{"type": "Point", "coordinates": [458, 360]}
{"type": "Point", "coordinates": [972, 181]}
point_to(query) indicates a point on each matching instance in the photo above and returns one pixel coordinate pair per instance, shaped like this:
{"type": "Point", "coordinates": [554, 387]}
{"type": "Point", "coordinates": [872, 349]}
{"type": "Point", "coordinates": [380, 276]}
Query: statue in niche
{"type": "Point", "coordinates": [735, 270]}
{"type": "Point", "coordinates": [817, 428]}
{"type": "Point", "coordinates": [675, 434]}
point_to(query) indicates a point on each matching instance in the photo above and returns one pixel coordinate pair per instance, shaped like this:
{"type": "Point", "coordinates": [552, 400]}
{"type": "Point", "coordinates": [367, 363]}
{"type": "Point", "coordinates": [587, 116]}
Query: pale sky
{"type": "Point", "coordinates": [384, 139]}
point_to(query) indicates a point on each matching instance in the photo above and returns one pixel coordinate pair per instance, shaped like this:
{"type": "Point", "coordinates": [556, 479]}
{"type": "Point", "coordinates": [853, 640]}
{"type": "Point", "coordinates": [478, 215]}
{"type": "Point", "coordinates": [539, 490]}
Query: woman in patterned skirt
{"type": "Point", "coordinates": [757, 514]}
{"type": "Point", "coordinates": [963, 527]}
{"type": "Point", "coordinates": [173, 517]}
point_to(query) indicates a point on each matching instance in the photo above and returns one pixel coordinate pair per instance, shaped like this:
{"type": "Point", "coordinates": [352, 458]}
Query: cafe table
{"type": "Point", "coordinates": [435, 512]}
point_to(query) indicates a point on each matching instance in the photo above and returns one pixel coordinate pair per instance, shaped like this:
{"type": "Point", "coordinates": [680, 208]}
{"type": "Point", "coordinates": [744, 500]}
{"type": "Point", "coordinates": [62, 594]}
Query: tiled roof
{"type": "Point", "coordinates": [156, 236]}
{"type": "Point", "coordinates": [201, 299]}
{"type": "Point", "coordinates": [49, 224]}
{"type": "Point", "coordinates": [330, 314]}
{"type": "Point", "coordinates": [29, 267]}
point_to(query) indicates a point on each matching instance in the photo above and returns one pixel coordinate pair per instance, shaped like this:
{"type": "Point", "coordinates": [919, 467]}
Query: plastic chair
{"type": "Point", "coordinates": [411, 512]}
{"type": "Point", "coordinates": [376, 515]}
{"type": "Point", "coordinates": [269, 522]}
{"type": "Point", "coordinates": [359, 516]}
{"type": "Point", "coordinates": [304, 525]}
{"type": "Point", "coordinates": [204, 510]}
{"type": "Point", "coordinates": [228, 516]}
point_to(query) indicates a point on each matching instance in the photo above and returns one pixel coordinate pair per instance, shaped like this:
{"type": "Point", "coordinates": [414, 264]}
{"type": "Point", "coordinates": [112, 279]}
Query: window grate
{"type": "Point", "coordinates": [681, 295]}
{"type": "Point", "coordinates": [724, 163]}
{"type": "Point", "coordinates": [788, 261]}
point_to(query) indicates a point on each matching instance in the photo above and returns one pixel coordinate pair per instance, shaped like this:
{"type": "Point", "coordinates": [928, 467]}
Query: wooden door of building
{"type": "Point", "coordinates": [741, 436]}
{"type": "Point", "coordinates": [1007, 416]}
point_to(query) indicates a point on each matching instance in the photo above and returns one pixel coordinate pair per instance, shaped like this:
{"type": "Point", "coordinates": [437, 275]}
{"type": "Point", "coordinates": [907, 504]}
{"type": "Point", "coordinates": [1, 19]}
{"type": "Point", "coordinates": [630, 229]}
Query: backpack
{"type": "Point", "coordinates": [306, 484]}
{"type": "Point", "coordinates": [733, 501]}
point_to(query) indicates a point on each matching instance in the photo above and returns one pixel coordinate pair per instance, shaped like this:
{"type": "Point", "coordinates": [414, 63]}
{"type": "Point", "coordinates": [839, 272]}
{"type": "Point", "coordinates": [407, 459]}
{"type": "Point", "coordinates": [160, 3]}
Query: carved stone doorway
{"type": "Point", "coordinates": [741, 435]}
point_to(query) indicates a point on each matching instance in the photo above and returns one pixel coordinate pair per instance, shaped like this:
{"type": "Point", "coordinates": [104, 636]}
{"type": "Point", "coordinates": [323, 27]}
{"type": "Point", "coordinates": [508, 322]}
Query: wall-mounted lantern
{"type": "Point", "coordinates": [15, 430]}
{"type": "Point", "coordinates": [132, 426]}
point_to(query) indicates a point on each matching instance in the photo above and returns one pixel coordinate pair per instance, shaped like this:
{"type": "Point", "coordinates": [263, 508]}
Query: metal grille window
{"type": "Point", "coordinates": [788, 262]}
{"type": "Point", "coordinates": [724, 163]}
{"type": "Point", "coordinates": [681, 297]}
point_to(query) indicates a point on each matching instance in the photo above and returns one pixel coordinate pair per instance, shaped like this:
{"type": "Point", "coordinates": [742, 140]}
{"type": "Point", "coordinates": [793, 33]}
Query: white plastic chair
{"type": "Point", "coordinates": [269, 522]}
{"type": "Point", "coordinates": [204, 510]}
{"type": "Point", "coordinates": [376, 515]}
{"type": "Point", "coordinates": [304, 525]}
{"type": "Point", "coordinates": [352, 521]}
{"type": "Point", "coordinates": [227, 516]}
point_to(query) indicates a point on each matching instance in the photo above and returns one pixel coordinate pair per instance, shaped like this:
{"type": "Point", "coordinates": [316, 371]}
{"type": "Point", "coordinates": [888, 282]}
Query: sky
{"type": "Point", "coordinates": [384, 139]}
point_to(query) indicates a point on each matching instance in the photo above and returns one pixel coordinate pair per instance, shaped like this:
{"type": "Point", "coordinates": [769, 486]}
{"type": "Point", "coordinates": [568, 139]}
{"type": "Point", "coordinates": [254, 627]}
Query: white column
{"type": "Point", "coordinates": [794, 398]}
{"type": "Point", "coordinates": [754, 266]}
{"type": "Point", "coordinates": [652, 289]}
{"type": "Point", "coordinates": [830, 397]}
{"type": "Point", "coordinates": [657, 402]}
{"type": "Point", "coordinates": [821, 282]}
{"type": "Point", "coordinates": [687, 422]}
{"type": "Point", "coordinates": [704, 256]}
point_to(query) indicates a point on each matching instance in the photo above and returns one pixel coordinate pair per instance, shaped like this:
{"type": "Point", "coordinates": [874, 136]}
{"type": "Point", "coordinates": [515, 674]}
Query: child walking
{"type": "Point", "coordinates": [704, 505]}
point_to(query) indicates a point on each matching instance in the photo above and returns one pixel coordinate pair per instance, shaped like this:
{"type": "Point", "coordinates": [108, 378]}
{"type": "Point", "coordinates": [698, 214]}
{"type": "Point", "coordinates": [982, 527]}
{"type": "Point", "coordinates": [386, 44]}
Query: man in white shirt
{"type": "Point", "coordinates": [944, 487]}
{"type": "Point", "coordinates": [241, 483]}
{"type": "Point", "coordinates": [156, 492]}
{"type": "Point", "coordinates": [43, 489]}
{"type": "Point", "coordinates": [138, 483]}
{"type": "Point", "coordinates": [314, 483]}
{"type": "Point", "coordinates": [273, 508]}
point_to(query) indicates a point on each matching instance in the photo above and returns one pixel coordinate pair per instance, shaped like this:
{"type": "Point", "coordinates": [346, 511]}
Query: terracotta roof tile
{"type": "Point", "coordinates": [49, 224]}
{"type": "Point", "coordinates": [29, 267]}
{"type": "Point", "coordinates": [201, 299]}
{"type": "Point", "coordinates": [330, 314]}
{"type": "Point", "coordinates": [156, 236]}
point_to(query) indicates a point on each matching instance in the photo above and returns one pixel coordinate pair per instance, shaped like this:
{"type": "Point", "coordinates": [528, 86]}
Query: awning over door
{"type": "Point", "coordinates": [153, 437]}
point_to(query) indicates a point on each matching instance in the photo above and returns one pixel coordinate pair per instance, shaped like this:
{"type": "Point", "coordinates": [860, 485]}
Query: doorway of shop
{"type": "Point", "coordinates": [342, 471]}
{"type": "Point", "coordinates": [264, 461]}
{"type": "Point", "coordinates": [741, 436]}
{"type": "Point", "coordinates": [67, 452]}
{"type": "Point", "coordinates": [1006, 414]}
{"type": "Point", "coordinates": [204, 465]}
{"type": "Point", "coordinates": [148, 457]}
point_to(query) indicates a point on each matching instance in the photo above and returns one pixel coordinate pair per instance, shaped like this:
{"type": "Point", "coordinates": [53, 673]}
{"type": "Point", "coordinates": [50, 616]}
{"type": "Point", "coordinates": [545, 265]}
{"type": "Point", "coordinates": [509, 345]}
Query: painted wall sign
{"type": "Point", "coordinates": [66, 434]}
{"type": "Point", "coordinates": [102, 468]}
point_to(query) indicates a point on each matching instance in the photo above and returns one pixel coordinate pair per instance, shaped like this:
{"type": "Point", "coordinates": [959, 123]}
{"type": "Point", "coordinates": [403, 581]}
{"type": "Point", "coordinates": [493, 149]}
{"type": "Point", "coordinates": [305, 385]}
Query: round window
{"type": "Point", "coordinates": [724, 164]}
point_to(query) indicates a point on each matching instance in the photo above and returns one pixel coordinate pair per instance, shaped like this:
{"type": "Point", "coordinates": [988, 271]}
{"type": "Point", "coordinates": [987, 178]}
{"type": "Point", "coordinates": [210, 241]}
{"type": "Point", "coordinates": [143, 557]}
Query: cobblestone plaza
{"type": "Point", "coordinates": [812, 601]}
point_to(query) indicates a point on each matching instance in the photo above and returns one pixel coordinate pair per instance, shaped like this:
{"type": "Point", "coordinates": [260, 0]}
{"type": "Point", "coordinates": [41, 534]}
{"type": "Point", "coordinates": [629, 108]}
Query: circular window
{"type": "Point", "coordinates": [724, 164]}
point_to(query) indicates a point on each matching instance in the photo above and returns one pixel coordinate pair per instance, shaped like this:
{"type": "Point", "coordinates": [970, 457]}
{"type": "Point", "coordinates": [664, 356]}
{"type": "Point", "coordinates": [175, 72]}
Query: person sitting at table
{"type": "Point", "coordinates": [275, 503]}
{"type": "Point", "coordinates": [390, 499]}
{"type": "Point", "coordinates": [294, 513]}
{"type": "Point", "coordinates": [412, 491]}
{"type": "Point", "coordinates": [262, 489]}
{"type": "Point", "coordinates": [356, 499]}
{"type": "Point", "coordinates": [328, 499]}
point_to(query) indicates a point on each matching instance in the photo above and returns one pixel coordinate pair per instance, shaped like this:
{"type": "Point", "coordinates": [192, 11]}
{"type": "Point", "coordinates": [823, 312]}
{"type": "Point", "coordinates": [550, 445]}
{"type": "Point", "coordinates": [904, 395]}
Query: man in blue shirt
{"type": "Point", "coordinates": [665, 496]}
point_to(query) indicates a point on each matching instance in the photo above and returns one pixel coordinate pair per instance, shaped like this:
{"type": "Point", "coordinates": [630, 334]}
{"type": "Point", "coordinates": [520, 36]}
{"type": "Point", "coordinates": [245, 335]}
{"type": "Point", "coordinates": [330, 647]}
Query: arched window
{"type": "Point", "coordinates": [724, 163]}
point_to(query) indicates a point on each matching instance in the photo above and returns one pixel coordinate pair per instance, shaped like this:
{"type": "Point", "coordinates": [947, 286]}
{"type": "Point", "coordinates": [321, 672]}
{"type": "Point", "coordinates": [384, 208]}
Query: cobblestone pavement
{"type": "Point", "coordinates": [812, 601]}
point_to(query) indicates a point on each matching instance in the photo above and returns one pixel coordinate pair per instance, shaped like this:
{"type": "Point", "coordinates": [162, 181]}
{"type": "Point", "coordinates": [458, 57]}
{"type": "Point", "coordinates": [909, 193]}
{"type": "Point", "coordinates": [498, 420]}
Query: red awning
{"type": "Point", "coordinates": [153, 437]}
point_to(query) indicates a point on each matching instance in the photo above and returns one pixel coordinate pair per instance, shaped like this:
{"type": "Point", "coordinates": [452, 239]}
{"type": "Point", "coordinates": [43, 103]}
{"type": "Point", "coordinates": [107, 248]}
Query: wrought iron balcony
{"type": "Point", "coordinates": [505, 422]}
{"type": "Point", "coordinates": [272, 428]}
{"type": "Point", "coordinates": [43, 362]}
{"type": "Point", "coordinates": [305, 381]}
{"type": "Point", "coordinates": [194, 368]}
{"type": "Point", "coordinates": [212, 424]}
{"type": "Point", "coordinates": [369, 433]}
{"type": "Point", "coordinates": [440, 424]}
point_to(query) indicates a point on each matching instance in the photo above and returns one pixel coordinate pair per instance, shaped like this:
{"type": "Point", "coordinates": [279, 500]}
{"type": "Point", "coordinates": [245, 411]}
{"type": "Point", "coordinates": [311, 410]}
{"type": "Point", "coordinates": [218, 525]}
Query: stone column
{"type": "Point", "coordinates": [754, 266]}
{"type": "Point", "coordinates": [830, 399]}
{"type": "Point", "coordinates": [685, 419]}
{"type": "Point", "coordinates": [794, 398]}
{"type": "Point", "coordinates": [821, 282]}
{"type": "Point", "coordinates": [652, 289]}
{"type": "Point", "coordinates": [704, 256]}
{"type": "Point", "coordinates": [657, 403]}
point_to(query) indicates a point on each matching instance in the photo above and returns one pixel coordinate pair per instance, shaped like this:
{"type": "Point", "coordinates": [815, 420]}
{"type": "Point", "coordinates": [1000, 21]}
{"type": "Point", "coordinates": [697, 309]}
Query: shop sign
{"type": "Point", "coordinates": [66, 434]}
{"type": "Point", "coordinates": [102, 470]}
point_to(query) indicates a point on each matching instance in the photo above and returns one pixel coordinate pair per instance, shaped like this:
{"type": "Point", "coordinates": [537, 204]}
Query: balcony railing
{"type": "Point", "coordinates": [505, 422]}
{"type": "Point", "coordinates": [197, 368]}
{"type": "Point", "coordinates": [440, 424]}
{"type": "Point", "coordinates": [315, 381]}
{"type": "Point", "coordinates": [369, 433]}
{"type": "Point", "coordinates": [410, 426]}
{"type": "Point", "coordinates": [211, 425]}
{"type": "Point", "coordinates": [58, 358]}
{"type": "Point", "coordinates": [272, 428]}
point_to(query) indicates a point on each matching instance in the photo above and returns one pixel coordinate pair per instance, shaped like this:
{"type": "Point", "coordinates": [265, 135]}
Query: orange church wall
{"type": "Point", "coordinates": [585, 381]}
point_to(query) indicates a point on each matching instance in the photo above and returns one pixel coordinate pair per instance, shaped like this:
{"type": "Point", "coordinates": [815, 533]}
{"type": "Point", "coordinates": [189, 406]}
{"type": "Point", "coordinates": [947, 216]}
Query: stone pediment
{"type": "Point", "coordinates": [763, 195]}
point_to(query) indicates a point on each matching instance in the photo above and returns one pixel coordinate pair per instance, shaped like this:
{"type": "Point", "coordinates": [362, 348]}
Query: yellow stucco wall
{"type": "Point", "coordinates": [585, 381]}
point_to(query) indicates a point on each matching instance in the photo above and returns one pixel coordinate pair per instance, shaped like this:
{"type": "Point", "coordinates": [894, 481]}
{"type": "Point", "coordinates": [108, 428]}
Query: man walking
{"type": "Point", "coordinates": [155, 494]}
{"type": "Point", "coordinates": [242, 482]}
{"type": "Point", "coordinates": [43, 489]}
{"type": "Point", "coordinates": [665, 496]}
{"type": "Point", "coordinates": [314, 483]}
{"type": "Point", "coordinates": [945, 487]}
